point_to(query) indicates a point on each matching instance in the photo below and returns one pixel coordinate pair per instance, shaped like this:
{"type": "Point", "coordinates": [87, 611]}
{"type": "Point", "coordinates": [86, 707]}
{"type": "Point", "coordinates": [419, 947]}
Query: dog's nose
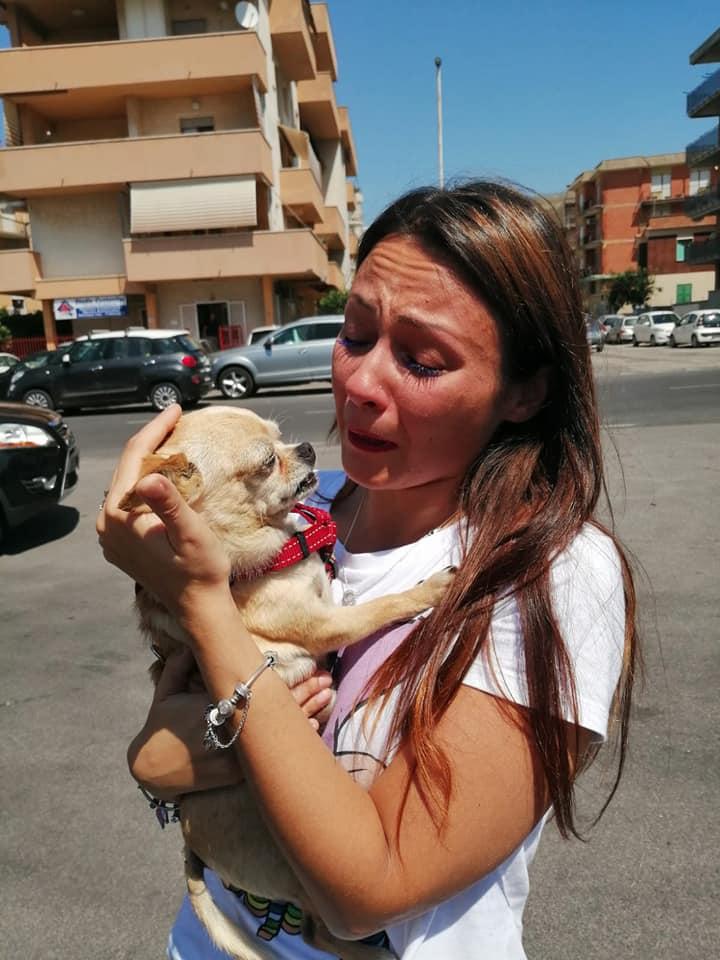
{"type": "Point", "coordinates": [306, 453]}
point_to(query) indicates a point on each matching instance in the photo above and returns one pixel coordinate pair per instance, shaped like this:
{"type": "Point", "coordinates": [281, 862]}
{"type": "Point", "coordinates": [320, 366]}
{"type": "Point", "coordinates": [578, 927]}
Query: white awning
{"type": "Point", "coordinates": [181, 205]}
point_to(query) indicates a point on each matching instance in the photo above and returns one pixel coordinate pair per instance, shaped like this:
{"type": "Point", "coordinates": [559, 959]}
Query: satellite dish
{"type": "Point", "coordinates": [246, 15]}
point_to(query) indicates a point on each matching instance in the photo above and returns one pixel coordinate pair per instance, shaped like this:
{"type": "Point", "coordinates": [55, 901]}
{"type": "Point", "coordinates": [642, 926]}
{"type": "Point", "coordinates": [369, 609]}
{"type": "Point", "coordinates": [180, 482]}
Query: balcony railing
{"type": "Point", "coordinates": [704, 148]}
{"type": "Point", "coordinates": [703, 101]}
{"type": "Point", "coordinates": [703, 204]}
{"type": "Point", "coordinates": [706, 252]}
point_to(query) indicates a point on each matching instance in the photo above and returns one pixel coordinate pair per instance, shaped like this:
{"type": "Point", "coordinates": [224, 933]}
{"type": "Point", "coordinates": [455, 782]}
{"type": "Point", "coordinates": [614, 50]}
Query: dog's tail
{"type": "Point", "coordinates": [226, 935]}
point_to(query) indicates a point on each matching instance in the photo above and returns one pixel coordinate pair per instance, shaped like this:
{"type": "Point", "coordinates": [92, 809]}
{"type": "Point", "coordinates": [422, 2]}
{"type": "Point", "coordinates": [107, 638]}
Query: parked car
{"type": "Point", "coordinates": [296, 353]}
{"type": "Point", "coordinates": [8, 362]}
{"type": "Point", "coordinates": [619, 328]}
{"type": "Point", "coordinates": [654, 327]}
{"type": "Point", "coordinates": [109, 368]}
{"type": "Point", "coordinates": [595, 334]}
{"type": "Point", "coordinates": [697, 328]}
{"type": "Point", "coordinates": [258, 334]}
{"type": "Point", "coordinates": [39, 462]}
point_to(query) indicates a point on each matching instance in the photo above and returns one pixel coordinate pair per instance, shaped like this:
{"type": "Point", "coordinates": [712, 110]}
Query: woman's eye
{"type": "Point", "coordinates": [420, 369]}
{"type": "Point", "coordinates": [351, 344]}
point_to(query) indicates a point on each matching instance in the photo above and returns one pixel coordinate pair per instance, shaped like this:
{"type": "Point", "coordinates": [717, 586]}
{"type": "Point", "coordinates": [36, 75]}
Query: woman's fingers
{"type": "Point", "coordinates": [145, 441]}
{"type": "Point", "coordinates": [182, 524]}
{"type": "Point", "coordinates": [175, 674]}
{"type": "Point", "coordinates": [313, 694]}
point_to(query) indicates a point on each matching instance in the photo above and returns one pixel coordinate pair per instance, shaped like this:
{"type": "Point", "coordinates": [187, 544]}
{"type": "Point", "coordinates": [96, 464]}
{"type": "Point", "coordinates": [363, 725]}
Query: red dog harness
{"type": "Point", "coordinates": [318, 537]}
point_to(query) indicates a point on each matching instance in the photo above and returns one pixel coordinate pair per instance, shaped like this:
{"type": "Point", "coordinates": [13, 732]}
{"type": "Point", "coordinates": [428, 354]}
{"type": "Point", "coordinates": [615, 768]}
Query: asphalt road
{"type": "Point", "coordinates": [86, 872]}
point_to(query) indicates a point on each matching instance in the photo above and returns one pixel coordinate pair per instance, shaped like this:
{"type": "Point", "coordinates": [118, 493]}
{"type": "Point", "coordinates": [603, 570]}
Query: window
{"type": "Point", "coordinates": [323, 331]}
{"type": "Point", "coordinates": [683, 293]}
{"type": "Point", "coordinates": [180, 28]}
{"type": "Point", "coordinates": [197, 125]}
{"type": "Point", "coordinates": [681, 248]}
{"type": "Point", "coordinates": [138, 347]}
{"type": "Point", "coordinates": [288, 336]}
{"type": "Point", "coordinates": [661, 184]}
{"type": "Point", "coordinates": [699, 180]}
{"type": "Point", "coordinates": [91, 350]}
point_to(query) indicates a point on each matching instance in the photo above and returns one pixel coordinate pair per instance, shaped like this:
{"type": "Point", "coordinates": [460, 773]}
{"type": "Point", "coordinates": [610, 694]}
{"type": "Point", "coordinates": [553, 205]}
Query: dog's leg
{"type": "Point", "coordinates": [317, 935]}
{"type": "Point", "coordinates": [235, 941]}
{"type": "Point", "coordinates": [320, 628]}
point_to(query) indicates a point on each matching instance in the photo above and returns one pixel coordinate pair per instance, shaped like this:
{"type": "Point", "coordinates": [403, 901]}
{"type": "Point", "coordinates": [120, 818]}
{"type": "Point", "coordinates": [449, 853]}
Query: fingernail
{"type": "Point", "coordinates": [325, 679]}
{"type": "Point", "coordinates": [323, 696]}
{"type": "Point", "coordinates": [314, 724]}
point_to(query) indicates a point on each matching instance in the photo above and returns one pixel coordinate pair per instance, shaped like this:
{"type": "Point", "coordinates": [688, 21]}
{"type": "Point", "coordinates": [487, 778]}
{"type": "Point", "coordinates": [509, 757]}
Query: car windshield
{"type": "Point", "coordinates": [711, 320]}
{"type": "Point", "coordinates": [664, 318]}
{"type": "Point", "coordinates": [629, 321]}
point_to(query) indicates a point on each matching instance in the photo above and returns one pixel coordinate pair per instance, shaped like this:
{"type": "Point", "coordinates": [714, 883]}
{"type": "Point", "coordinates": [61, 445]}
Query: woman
{"type": "Point", "coordinates": [469, 435]}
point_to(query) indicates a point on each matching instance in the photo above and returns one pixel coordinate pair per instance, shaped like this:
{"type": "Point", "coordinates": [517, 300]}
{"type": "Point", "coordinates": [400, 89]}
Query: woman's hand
{"type": "Point", "coordinates": [168, 756]}
{"type": "Point", "coordinates": [170, 551]}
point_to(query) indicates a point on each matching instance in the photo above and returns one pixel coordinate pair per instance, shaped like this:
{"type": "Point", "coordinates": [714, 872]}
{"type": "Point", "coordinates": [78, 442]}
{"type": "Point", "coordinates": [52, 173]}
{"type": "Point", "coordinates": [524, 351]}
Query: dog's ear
{"type": "Point", "coordinates": [183, 474]}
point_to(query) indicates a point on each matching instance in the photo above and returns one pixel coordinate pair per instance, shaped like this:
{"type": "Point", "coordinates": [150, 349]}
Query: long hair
{"type": "Point", "coordinates": [527, 494]}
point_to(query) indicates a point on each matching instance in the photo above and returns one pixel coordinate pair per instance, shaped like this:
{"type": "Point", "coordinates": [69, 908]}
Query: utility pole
{"type": "Point", "coordinates": [438, 86]}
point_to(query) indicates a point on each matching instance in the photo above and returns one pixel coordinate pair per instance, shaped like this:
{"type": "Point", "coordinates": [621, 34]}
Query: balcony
{"type": "Point", "coordinates": [11, 228]}
{"type": "Point", "coordinates": [708, 51]}
{"type": "Point", "coordinates": [256, 253]}
{"type": "Point", "coordinates": [208, 64]}
{"type": "Point", "coordinates": [703, 204]}
{"type": "Point", "coordinates": [704, 101]}
{"type": "Point", "coordinates": [706, 252]}
{"type": "Point", "coordinates": [706, 149]}
{"type": "Point", "coordinates": [61, 167]}
{"type": "Point", "coordinates": [323, 40]}
{"type": "Point", "coordinates": [350, 195]}
{"type": "Point", "coordinates": [19, 270]}
{"type": "Point", "coordinates": [300, 193]}
{"type": "Point", "coordinates": [291, 39]}
{"type": "Point", "coordinates": [332, 230]}
{"type": "Point", "coordinates": [318, 111]}
{"type": "Point", "coordinates": [335, 277]}
{"type": "Point", "coordinates": [348, 142]}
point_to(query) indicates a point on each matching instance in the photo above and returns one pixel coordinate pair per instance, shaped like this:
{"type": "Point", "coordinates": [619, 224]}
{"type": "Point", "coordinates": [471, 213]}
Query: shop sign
{"type": "Point", "coordinates": [79, 308]}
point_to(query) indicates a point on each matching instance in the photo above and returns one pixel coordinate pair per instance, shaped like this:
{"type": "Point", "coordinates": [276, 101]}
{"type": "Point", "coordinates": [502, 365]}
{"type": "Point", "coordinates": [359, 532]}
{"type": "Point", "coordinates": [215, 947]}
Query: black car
{"type": "Point", "coordinates": [109, 368]}
{"type": "Point", "coordinates": [39, 462]}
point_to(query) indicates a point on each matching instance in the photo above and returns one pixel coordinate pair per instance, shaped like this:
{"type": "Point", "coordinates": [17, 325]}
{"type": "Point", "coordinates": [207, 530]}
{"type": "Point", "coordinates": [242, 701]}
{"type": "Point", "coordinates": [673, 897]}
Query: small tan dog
{"type": "Point", "coordinates": [233, 469]}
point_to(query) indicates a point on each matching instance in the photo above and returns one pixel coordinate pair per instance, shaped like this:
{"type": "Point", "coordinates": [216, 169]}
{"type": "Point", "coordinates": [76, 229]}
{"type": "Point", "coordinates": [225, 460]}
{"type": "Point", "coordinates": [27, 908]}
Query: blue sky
{"type": "Point", "coordinates": [535, 92]}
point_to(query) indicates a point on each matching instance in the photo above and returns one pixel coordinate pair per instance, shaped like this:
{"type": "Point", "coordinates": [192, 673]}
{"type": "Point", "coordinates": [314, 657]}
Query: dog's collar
{"type": "Point", "coordinates": [318, 537]}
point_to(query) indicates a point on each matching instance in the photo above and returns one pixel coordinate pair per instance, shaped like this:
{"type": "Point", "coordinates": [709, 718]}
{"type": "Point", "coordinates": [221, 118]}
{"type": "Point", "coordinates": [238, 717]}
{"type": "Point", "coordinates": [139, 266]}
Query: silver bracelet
{"type": "Point", "coordinates": [217, 714]}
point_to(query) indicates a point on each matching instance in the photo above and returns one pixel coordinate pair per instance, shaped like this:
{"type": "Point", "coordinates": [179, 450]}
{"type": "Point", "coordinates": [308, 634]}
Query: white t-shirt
{"type": "Point", "coordinates": [484, 920]}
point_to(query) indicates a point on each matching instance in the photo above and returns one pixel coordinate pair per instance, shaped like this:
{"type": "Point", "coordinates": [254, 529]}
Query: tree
{"type": "Point", "coordinates": [633, 286]}
{"type": "Point", "coordinates": [333, 301]}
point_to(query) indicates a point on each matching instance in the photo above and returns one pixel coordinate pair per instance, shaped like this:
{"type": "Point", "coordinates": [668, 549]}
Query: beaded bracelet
{"type": "Point", "coordinates": [217, 714]}
{"type": "Point", "coordinates": [166, 811]}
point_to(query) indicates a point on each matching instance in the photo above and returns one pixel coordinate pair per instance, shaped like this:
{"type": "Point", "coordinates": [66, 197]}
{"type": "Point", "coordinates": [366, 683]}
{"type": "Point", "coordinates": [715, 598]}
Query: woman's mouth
{"type": "Point", "coordinates": [369, 443]}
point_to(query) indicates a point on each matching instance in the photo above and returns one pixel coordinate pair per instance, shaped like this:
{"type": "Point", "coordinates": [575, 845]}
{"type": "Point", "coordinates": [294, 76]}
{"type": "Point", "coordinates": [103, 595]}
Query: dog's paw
{"type": "Point", "coordinates": [432, 590]}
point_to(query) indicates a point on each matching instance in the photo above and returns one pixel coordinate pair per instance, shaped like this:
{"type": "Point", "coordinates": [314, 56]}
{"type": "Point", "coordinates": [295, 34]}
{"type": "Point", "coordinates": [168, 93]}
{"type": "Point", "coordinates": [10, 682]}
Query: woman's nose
{"type": "Point", "coordinates": [365, 385]}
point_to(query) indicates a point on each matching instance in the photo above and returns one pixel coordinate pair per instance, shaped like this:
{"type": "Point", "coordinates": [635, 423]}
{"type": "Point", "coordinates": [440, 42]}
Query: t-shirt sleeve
{"type": "Point", "coordinates": [589, 604]}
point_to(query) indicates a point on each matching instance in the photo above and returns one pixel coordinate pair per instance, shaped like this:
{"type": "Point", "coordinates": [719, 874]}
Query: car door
{"type": "Point", "coordinates": [683, 333]}
{"type": "Point", "coordinates": [78, 379]}
{"type": "Point", "coordinates": [283, 357]}
{"type": "Point", "coordinates": [320, 343]}
{"type": "Point", "coordinates": [119, 373]}
{"type": "Point", "coordinates": [642, 328]}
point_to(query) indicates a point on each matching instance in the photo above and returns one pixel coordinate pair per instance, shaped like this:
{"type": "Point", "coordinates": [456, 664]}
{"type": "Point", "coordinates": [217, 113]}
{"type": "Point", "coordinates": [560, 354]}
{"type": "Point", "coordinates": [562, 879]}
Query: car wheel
{"type": "Point", "coordinates": [163, 395]}
{"type": "Point", "coordinates": [653, 341]}
{"type": "Point", "coordinates": [235, 383]}
{"type": "Point", "coordinates": [672, 341]}
{"type": "Point", "coordinates": [693, 341]}
{"type": "Point", "coordinates": [635, 342]}
{"type": "Point", "coordinates": [39, 398]}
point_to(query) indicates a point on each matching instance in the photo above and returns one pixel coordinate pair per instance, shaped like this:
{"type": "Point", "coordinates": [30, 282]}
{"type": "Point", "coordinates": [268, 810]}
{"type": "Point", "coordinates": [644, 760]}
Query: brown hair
{"type": "Point", "coordinates": [528, 493]}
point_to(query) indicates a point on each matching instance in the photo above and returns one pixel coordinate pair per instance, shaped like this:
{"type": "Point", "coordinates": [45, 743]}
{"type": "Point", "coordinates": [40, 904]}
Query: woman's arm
{"type": "Point", "coordinates": [364, 857]}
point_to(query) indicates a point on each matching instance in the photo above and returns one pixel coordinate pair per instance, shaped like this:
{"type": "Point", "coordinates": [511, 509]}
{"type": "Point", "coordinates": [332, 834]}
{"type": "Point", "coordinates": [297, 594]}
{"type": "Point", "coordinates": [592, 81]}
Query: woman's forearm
{"type": "Point", "coordinates": [327, 825]}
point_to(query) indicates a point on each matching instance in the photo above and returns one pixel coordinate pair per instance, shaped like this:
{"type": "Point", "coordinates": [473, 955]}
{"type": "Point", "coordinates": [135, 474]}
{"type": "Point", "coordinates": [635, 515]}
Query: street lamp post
{"type": "Point", "coordinates": [438, 87]}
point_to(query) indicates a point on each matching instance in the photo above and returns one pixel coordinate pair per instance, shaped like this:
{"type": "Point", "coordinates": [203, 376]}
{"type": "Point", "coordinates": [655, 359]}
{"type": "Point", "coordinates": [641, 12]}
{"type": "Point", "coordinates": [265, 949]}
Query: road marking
{"type": "Point", "coordinates": [618, 426]}
{"type": "Point", "coordinates": [696, 386]}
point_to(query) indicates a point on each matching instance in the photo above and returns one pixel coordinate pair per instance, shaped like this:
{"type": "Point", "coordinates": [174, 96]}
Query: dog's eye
{"type": "Point", "coordinates": [269, 462]}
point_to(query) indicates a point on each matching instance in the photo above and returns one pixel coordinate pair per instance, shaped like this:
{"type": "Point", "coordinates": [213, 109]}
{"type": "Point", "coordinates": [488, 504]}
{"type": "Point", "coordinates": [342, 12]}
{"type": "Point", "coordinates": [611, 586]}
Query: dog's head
{"type": "Point", "coordinates": [231, 467]}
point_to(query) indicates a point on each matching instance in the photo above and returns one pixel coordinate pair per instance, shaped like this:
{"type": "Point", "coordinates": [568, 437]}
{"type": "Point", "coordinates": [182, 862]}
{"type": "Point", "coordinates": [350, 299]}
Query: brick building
{"type": "Point", "coordinates": [628, 213]}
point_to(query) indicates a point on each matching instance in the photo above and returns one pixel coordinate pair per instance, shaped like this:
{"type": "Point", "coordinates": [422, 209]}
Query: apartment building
{"type": "Point", "coordinates": [703, 153]}
{"type": "Point", "coordinates": [182, 163]}
{"type": "Point", "coordinates": [628, 213]}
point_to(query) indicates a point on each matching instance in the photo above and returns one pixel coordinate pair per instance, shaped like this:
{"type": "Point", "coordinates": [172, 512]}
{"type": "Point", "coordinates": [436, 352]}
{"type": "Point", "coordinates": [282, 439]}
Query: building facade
{"type": "Point", "coordinates": [704, 152]}
{"type": "Point", "coordinates": [629, 213]}
{"type": "Point", "coordinates": [182, 163]}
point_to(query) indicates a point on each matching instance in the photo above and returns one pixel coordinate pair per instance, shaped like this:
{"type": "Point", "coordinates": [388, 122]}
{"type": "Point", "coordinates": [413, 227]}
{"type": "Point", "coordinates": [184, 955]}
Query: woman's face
{"type": "Point", "coordinates": [416, 372]}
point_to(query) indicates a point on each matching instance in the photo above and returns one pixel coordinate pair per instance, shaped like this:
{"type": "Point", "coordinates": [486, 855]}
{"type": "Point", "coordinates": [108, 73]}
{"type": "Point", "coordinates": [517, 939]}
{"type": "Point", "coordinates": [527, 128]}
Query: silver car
{"type": "Point", "coordinates": [296, 353]}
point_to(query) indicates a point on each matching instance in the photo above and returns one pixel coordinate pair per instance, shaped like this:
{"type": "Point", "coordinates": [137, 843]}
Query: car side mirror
{"type": "Point", "coordinates": [267, 344]}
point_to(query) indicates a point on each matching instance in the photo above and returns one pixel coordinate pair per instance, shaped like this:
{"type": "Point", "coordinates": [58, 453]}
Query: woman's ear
{"type": "Point", "coordinates": [524, 398]}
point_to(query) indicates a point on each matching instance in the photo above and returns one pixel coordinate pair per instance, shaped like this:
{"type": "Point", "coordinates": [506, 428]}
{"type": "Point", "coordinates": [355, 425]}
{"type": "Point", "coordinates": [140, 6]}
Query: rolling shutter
{"type": "Point", "coordinates": [182, 205]}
